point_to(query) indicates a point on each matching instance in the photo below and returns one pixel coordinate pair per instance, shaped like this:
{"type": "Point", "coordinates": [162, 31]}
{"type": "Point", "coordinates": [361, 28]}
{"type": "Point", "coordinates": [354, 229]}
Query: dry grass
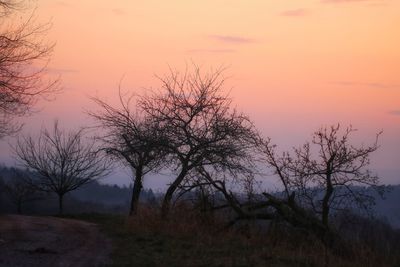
{"type": "Point", "coordinates": [190, 238]}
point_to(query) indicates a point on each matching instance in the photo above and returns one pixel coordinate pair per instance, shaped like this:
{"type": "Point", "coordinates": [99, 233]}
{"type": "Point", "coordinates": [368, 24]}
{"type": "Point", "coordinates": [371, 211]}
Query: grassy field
{"type": "Point", "coordinates": [147, 241]}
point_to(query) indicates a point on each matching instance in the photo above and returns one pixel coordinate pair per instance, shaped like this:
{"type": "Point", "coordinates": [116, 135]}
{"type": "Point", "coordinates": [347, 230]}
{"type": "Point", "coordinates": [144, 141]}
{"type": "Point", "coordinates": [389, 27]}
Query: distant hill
{"type": "Point", "coordinates": [388, 208]}
{"type": "Point", "coordinates": [107, 194]}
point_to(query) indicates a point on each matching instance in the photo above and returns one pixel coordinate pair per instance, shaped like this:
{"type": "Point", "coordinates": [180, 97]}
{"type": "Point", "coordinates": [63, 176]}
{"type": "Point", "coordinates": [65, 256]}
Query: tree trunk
{"type": "Point", "coordinates": [137, 189]}
{"type": "Point", "coordinates": [170, 192]}
{"type": "Point", "coordinates": [325, 200]}
{"type": "Point", "coordinates": [60, 204]}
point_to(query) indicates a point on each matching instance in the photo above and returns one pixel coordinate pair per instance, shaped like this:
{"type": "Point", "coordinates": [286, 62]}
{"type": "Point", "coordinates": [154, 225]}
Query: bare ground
{"type": "Point", "coordinates": [49, 241]}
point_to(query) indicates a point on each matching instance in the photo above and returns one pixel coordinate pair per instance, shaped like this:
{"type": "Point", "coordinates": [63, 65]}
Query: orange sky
{"type": "Point", "coordinates": [293, 65]}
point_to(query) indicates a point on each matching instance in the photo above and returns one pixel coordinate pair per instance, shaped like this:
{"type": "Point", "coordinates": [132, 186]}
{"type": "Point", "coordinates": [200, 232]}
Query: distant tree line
{"type": "Point", "coordinates": [16, 195]}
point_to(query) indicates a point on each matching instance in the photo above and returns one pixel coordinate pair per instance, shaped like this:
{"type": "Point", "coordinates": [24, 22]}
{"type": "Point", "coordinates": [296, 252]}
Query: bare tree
{"type": "Point", "coordinates": [132, 138]}
{"type": "Point", "coordinates": [330, 179]}
{"type": "Point", "coordinates": [314, 186]}
{"type": "Point", "coordinates": [201, 127]}
{"type": "Point", "coordinates": [61, 161]}
{"type": "Point", "coordinates": [21, 189]}
{"type": "Point", "coordinates": [23, 59]}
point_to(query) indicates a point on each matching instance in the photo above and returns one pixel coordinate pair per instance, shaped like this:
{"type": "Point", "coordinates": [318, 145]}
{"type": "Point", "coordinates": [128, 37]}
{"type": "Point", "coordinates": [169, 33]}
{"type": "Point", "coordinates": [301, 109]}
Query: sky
{"type": "Point", "coordinates": [292, 66]}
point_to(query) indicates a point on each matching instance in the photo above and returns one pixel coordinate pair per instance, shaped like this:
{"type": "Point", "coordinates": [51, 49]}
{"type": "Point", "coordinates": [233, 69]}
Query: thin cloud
{"type": "Point", "coordinates": [366, 84]}
{"type": "Point", "coordinates": [63, 4]}
{"type": "Point", "coordinates": [213, 51]}
{"type": "Point", "coordinates": [62, 71]}
{"type": "Point", "coordinates": [118, 12]}
{"type": "Point", "coordinates": [380, 4]}
{"type": "Point", "coordinates": [300, 12]}
{"type": "Point", "coordinates": [231, 39]}
{"type": "Point", "coordinates": [394, 112]}
{"type": "Point", "coordinates": [348, 1]}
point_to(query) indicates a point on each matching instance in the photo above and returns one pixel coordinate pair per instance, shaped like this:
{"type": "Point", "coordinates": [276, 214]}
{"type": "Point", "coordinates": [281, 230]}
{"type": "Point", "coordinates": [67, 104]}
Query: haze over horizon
{"type": "Point", "coordinates": [291, 66]}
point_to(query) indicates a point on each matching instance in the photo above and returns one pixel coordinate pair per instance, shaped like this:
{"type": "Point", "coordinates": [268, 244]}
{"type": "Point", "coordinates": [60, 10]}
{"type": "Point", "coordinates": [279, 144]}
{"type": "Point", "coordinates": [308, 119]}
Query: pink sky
{"type": "Point", "coordinates": [292, 65]}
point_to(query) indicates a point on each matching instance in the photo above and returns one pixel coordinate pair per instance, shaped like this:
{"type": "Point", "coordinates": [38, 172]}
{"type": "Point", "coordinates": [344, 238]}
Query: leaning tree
{"type": "Point", "coordinates": [318, 179]}
{"type": "Point", "coordinates": [61, 161]}
{"type": "Point", "coordinates": [327, 174]}
{"type": "Point", "coordinates": [201, 127]}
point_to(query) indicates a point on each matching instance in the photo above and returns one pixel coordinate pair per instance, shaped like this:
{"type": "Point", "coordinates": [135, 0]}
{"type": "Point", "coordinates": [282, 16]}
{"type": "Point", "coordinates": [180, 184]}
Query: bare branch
{"type": "Point", "coordinates": [24, 56]}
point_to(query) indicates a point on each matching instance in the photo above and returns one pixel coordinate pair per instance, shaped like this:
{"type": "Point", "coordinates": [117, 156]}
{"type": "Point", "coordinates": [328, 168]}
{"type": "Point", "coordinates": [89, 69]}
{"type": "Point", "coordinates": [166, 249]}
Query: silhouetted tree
{"type": "Point", "coordinates": [324, 174]}
{"type": "Point", "coordinates": [21, 189]}
{"type": "Point", "coordinates": [23, 59]}
{"type": "Point", "coordinates": [61, 161]}
{"type": "Point", "coordinates": [313, 185]}
{"type": "Point", "coordinates": [132, 138]}
{"type": "Point", "coordinates": [201, 127]}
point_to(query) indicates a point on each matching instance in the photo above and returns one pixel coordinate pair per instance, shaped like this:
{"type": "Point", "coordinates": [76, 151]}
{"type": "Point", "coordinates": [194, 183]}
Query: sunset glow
{"type": "Point", "coordinates": [292, 66]}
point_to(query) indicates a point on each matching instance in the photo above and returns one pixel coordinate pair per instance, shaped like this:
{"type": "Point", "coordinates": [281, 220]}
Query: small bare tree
{"type": "Point", "coordinates": [329, 180]}
{"type": "Point", "coordinates": [21, 189]}
{"type": "Point", "coordinates": [132, 138]}
{"type": "Point", "coordinates": [23, 59]}
{"type": "Point", "coordinates": [201, 127]}
{"type": "Point", "coordinates": [61, 161]}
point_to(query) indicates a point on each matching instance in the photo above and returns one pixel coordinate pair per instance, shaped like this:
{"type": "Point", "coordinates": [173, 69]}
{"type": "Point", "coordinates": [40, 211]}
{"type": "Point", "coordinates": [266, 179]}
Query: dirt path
{"type": "Point", "coordinates": [48, 241]}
